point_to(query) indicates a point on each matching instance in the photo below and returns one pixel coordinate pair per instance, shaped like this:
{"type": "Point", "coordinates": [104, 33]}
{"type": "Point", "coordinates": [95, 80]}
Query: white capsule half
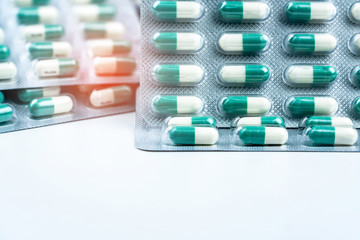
{"type": "Point", "coordinates": [189, 42]}
{"type": "Point", "coordinates": [8, 70]}
{"type": "Point", "coordinates": [249, 121]}
{"type": "Point", "coordinates": [325, 106]}
{"type": "Point", "coordinates": [2, 36]}
{"type": "Point", "coordinates": [48, 14]}
{"type": "Point", "coordinates": [206, 135]}
{"type": "Point", "coordinates": [189, 104]}
{"type": "Point", "coordinates": [345, 136]}
{"type": "Point", "coordinates": [62, 104]}
{"type": "Point", "coordinates": [276, 136]}
{"type": "Point", "coordinates": [354, 13]}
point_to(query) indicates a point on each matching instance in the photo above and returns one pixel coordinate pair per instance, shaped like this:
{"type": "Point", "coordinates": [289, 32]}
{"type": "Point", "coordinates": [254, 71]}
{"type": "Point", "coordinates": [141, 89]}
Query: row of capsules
{"type": "Point", "coordinates": [271, 133]}
{"type": "Point", "coordinates": [53, 60]}
{"type": "Point", "coordinates": [321, 128]}
{"type": "Point", "coordinates": [17, 107]}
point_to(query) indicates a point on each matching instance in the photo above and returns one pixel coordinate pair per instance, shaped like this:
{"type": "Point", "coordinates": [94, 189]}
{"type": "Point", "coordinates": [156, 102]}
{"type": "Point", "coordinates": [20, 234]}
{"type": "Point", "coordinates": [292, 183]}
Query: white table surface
{"type": "Point", "coordinates": [85, 181]}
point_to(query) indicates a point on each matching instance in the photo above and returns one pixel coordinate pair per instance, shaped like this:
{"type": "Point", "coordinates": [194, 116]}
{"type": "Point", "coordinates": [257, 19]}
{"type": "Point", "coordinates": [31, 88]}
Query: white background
{"type": "Point", "coordinates": [85, 181]}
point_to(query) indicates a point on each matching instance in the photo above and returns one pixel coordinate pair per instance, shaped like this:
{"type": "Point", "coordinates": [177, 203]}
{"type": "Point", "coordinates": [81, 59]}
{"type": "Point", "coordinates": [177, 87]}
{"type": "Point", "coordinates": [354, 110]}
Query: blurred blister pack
{"type": "Point", "coordinates": [266, 75]}
{"type": "Point", "coordinates": [57, 43]}
{"type": "Point", "coordinates": [37, 107]}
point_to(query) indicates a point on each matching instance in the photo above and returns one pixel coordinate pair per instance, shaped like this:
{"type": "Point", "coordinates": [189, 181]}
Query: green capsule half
{"type": "Point", "coordinates": [306, 106]}
{"type": "Point", "coordinates": [189, 135]}
{"type": "Point", "coordinates": [356, 106]}
{"type": "Point", "coordinates": [36, 15]}
{"type": "Point", "coordinates": [27, 95]}
{"type": "Point", "coordinates": [332, 136]}
{"type": "Point", "coordinates": [355, 76]}
{"type": "Point", "coordinates": [310, 43]}
{"type": "Point", "coordinates": [243, 74]}
{"type": "Point", "coordinates": [244, 105]}
{"type": "Point", "coordinates": [177, 42]}
{"type": "Point", "coordinates": [243, 11]}
{"type": "Point", "coordinates": [176, 74]}
{"type": "Point", "coordinates": [328, 121]}
{"type": "Point", "coordinates": [192, 121]}
{"type": "Point", "coordinates": [6, 113]}
{"type": "Point", "coordinates": [262, 135]}
{"type": "Point", "coordinates": [171, 11]}
{"type": "Point", "coordinates": [2, 97]}
{"type": "Point", "coordinates": [4, 52]}
{"type": "Point", "coordinates": [170, 105]}
{"type": "Point", "coordinates": [272, 121]}
{"type": "Point", "coordinates": [303, 12]}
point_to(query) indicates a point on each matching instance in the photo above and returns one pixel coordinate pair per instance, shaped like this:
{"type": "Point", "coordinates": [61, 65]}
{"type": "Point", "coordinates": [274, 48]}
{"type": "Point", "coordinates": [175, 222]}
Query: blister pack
{"type": "Point", "coordinates": [57, 43]}
{"type": "Point", "coordinates": [37, 107]}
{"type": "Point", "coordinates": [266, 75]}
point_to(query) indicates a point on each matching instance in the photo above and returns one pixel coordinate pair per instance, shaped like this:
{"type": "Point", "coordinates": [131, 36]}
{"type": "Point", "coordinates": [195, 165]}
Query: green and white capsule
{"type": "Point", "coordinates": [354, 13]}
{"type": "Point", "coordinates": [260, 121]}
{"type": "Point", "coordinates": [261, 135]}
{"type": "Point", "coordinates": [40, 33]}
{"type": "Point", "coordinates": [27, 95]}
{"type": "Point", "coordinates": [356, 106]}
{"type": "Point", "coordinates": [42, 107]}
{"type": "Point", "coordinates": [8, 70]}
{"type": "Point", "coordinates": [233, 75]}
{"type": "Point", "coordinates": [303, 106]}
{"type": "Point", "coordinates": [244, 11]}
{"type": "Point", "coordinates": [332, 136]}
{"type": "Point", "coordinates": [310, 12]}
{"type": "Point", "coordinates": [243, 43]}
{"type": "Point", "coordinates": [6, 113]}
{"type": "Point", "coordinates": [111, 30]}
{"type": "Point", "coordinates": [111, 96]}
{"type": "Point", "coordinates": [177, 11]}
{"type": "Point", "coordinates": [2, 97]}
{"type": "Point", "coordinates": [56, 67]}
{"type": "Point", "coordinates": [328, 121]}
{"type": "Point", "coordinates": [94, 12]}
{"type": "Point", "coordinates": [310, 43]}
{"type": "Point", "coordinates": [50, 50]}
{"type": "Point", "coordinates": [114, 65]}
{"type": "Point", "coordinates": [4, 52]}
{"type": "Point", "coordinates": [170, 105]}
{"type": "Point", "coordinates": [30, 3]}
{"type": "Point", "coordinates": [244, 106]}
{"type": "Point", "coordinates": [189, 135]}
{"type": "Point", "coordinates": [2, 36]}
{"type": "Point", "coordinates": [38, 15]}
{"type": "Point", "coordinates": [178, 74]}
{"type": "Point", "coordinates": [177, 42]}
{"type": "Point", "coordinates": [108, 47]}
{"type": "Point", "coordinates": [87, 1]}
{"type": "Point", "coordinates": [306, 75]}
{"type": "Point", "coordinates": [198, 121]}
{"type": "Point", "coordinates": [354, 44]}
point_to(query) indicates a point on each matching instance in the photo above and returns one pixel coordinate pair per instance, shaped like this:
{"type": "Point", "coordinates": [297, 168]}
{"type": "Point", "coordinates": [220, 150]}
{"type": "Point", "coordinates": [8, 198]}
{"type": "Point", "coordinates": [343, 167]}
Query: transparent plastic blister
{"type": "Point", "coordinates": [37, 41]}
{"type": "Point", "coordinates": [317, 41]}
{"type": "Point", "coordinates": [31, 108]}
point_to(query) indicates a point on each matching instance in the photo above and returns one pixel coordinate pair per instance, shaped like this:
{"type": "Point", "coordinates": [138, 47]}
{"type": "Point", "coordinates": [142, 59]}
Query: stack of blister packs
{"type": "Point", "coordinates": [66, 60]}
{"type": "Point", "coordinates": [269, 75]}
